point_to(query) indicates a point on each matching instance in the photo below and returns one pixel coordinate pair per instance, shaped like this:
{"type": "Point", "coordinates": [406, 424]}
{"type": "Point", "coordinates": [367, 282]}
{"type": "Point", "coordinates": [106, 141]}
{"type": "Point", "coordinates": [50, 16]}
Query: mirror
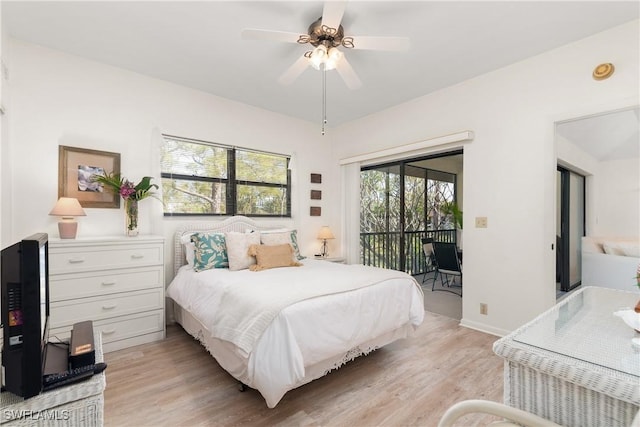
{"type": "Point", "coordinates": [607, 136]}
{"type": "Point", "coordinates": [604, 149]}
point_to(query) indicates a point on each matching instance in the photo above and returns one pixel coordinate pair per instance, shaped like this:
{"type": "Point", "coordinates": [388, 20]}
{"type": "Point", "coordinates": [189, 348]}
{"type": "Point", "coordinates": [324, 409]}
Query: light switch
{"type": "Point", "coordinates": [481, 222]}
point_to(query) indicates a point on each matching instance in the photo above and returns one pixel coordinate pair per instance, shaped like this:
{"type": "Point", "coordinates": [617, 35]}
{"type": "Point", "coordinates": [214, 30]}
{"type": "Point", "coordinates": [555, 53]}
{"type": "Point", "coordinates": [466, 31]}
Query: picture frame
{"type": "Point", "coordinates": [75, 167]}
{"type": "Point", "coordinates": [316, 194]}
{"type": "Point", "coordinates": [316, 178]}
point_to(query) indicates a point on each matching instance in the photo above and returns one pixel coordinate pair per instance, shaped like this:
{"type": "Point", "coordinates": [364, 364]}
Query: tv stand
{"type": "Point", "coordinates": [79, 404]}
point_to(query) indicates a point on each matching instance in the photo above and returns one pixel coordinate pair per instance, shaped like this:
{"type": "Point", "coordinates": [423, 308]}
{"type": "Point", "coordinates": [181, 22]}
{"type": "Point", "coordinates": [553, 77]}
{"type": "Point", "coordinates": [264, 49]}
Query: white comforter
{"type": "Point", "coordinates": [285, 319]}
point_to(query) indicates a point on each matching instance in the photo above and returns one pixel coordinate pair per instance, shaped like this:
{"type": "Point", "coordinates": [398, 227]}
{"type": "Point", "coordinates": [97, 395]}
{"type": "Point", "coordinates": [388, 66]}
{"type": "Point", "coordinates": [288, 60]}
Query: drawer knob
{"type": "Point", "coordinates": [137, 256]}
{"type": "Point", "coordinates": [109, 307]}
{"type": "Point", "coordinates": [108, 283]}
{"type": "Point", "coordinates": [108, 331]}
{"type": "Point", "coordinates": [75, 260]}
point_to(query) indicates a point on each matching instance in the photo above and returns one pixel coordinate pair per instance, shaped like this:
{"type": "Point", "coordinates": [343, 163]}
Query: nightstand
{"type": "Point", "coordinates": [338, 260]}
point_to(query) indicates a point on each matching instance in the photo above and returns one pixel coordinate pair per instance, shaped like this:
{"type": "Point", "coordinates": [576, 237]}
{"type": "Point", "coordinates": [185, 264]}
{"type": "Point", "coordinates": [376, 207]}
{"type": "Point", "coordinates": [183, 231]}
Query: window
{"type": "Point", "coordinates": [202, 178]}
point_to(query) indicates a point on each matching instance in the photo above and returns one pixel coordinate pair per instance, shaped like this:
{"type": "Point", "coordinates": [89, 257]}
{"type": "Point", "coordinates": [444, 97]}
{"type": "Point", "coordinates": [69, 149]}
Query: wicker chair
{"type": "Point", "coordinates": [513, 416]}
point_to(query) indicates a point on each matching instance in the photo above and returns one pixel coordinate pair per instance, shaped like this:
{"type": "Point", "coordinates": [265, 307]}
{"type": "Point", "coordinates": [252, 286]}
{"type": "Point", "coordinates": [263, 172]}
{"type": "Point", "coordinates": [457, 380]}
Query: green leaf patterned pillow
{"type": "Point", "coordinates": [294, 243]}
{"type": "Point", "coordinates": [211, 251]}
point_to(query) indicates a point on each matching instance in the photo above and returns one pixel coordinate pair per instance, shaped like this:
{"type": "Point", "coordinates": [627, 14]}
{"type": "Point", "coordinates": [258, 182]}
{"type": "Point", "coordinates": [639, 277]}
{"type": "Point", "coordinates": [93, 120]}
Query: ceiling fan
{"type": "Point", "coordinates": [326, 35]}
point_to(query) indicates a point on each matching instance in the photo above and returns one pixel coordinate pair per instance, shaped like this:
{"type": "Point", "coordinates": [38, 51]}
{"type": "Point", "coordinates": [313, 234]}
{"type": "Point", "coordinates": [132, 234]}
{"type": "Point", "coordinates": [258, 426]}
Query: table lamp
{"type": "Point", "coordinates": [324, 234]}
{"type": "Point", "coordinates": [67, 208]}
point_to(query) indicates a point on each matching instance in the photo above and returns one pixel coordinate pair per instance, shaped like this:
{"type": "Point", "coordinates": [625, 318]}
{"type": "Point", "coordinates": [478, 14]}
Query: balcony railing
{"type": "Point", "coordinates": [382, 249]}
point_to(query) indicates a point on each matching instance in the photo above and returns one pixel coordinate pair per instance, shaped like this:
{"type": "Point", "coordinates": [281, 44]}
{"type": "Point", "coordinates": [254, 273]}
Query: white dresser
{"type": "Point", "coordinates": [117, 282]}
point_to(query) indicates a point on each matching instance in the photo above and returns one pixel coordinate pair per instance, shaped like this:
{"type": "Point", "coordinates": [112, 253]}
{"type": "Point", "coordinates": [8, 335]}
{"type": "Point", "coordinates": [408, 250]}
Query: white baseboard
{"type": "Point", "coordinates": [484, 328]}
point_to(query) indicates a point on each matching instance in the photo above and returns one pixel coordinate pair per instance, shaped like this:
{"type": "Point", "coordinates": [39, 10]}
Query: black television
{"type": "Point", "coordinates": [25, 313]}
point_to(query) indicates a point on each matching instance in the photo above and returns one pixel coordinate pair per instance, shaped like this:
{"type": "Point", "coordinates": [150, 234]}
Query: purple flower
{"type": "Point", "coordinates": [127, 189]}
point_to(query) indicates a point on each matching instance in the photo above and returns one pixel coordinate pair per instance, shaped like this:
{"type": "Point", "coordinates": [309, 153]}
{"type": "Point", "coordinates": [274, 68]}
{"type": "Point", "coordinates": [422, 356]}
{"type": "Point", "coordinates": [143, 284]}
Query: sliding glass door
{"type": "Point", "coordinates": [401, 204]}
{"type": "Point", "coordinates": [570, 228]}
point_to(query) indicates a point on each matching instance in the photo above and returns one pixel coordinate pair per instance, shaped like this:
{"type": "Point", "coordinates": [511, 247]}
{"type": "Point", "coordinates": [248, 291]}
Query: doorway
{"type": "Point", "coordinates": [570, 227]}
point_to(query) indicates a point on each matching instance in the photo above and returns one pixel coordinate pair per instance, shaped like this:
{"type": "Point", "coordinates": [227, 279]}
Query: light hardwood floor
{"type": "Point", "coordinates": [175, 382]}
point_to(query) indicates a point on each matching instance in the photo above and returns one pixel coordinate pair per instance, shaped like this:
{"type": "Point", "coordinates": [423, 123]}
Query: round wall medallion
{"type": "Point", "coordinates": [603, 71]}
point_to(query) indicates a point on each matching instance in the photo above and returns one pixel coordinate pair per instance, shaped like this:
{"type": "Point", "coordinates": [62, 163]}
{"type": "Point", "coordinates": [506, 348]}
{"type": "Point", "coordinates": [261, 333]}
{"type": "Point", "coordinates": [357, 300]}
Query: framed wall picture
{"type": "Point", "coordinates": [316, 195]}
{"type": "Point", "coordinates": [316, 178]}
{"type": "Point", "coordinates": [75, 168]}
{"type": "Point", "coordinates": [315, 211]}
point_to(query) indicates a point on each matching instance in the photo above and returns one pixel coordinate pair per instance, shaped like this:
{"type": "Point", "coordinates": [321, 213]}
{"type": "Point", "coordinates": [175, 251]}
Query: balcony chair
{"type": "Point", "coordinates": [447, 264]}
{"type": "Point", "coordinates": [427, 248]}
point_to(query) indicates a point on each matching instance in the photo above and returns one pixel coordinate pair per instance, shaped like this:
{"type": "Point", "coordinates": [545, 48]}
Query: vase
{"type": "Point", "coordinates": [131, 217]}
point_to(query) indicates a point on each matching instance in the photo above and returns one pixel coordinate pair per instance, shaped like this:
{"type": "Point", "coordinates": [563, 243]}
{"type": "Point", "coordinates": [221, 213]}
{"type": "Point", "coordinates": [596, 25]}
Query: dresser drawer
{"type": "Point", "coordinates": [120, 328]}
{"type": "Point", "coordinates": [81, 285]}
{"type": "Point", "coordinates": [92, 258]}
{"type": "Point", "coordinates": [66, 313]}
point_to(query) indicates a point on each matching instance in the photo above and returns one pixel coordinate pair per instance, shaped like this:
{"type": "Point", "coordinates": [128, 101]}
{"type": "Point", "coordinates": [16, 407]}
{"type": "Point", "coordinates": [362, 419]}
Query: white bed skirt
{"type": "Point", "coordinates": [230, 359]}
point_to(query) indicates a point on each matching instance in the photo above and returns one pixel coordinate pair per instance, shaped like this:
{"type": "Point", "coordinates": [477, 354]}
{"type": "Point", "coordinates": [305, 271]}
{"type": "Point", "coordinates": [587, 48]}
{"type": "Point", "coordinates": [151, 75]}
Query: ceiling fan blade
{"type": "Point", "coordinates": [332, 13]}
{"type": "Point", "coordinates": [294, 71]}
{"type": "Point", "coordinates": [276, 36]}
{"type": "Point", "coordinates": [381, 43]}
{"type": "Point", "coordinates": [351, 79]}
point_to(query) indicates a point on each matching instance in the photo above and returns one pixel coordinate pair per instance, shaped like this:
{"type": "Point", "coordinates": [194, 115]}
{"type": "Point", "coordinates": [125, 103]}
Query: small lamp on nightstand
{"type": "Point", "coordinates": [67, 208]}
{"type": "Point", "coordinates": [324, 234]}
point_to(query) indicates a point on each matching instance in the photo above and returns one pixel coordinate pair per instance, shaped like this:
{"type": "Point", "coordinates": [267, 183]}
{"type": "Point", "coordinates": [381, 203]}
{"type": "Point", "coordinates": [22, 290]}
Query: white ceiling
{"type": "Point", "coordinates": [198, 44]}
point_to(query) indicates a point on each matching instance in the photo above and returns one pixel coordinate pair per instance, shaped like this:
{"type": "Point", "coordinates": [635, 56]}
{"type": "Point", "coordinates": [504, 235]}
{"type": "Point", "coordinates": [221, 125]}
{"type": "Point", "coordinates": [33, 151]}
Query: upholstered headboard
{"type": "Point", "coordinates": [235, 223]}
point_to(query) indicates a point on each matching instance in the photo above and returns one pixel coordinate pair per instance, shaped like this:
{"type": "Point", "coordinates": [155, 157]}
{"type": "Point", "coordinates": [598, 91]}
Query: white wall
{"type": "Point", "coordinates": [618, 189]}
{"type": "Point", "coordinates": [510, 167]}
{"type": "Point", "coordinates": [61, 99]}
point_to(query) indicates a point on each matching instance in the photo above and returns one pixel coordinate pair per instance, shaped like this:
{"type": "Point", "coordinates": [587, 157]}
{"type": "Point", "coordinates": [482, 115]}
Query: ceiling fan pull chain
{"type": "Point", "coordinates": [324, 97]}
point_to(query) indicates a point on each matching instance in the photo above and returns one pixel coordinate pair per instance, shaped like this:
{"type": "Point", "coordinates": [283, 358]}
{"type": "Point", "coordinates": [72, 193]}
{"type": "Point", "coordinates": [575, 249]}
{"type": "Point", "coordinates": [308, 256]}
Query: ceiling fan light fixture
{"type": "Point", "coordinates": [318, 56]}
{"type": "Point", "coordinates": [333, 57]}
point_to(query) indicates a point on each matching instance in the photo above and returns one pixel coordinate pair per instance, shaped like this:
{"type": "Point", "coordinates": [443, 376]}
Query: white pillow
{"type": "Point", "coordinates": [189, 248]}
{"type": "Point", "coordinates": [630, 249]}
{"type": "Point", "coordinates": [591, 246]}
{"type": "Point", "coordinates": [612, 248]}
{"type": "Point", "coordinates": [238, 249]}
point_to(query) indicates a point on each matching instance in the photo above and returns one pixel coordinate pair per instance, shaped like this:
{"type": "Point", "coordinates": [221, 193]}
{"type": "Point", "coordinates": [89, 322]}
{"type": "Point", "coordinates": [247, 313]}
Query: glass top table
{"type": "Point", "coordinates": [584, 327]}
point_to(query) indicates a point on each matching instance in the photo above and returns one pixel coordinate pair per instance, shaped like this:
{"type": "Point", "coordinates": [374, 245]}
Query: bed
{"type": "Point", "coordinates": [276, 329]}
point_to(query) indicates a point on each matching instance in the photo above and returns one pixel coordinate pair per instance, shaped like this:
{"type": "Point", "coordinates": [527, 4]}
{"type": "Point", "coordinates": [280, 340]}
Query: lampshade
{"type": "Point", "coordinates": [67, 208]}
{"type": "Point", "coordinates": [325, 233]}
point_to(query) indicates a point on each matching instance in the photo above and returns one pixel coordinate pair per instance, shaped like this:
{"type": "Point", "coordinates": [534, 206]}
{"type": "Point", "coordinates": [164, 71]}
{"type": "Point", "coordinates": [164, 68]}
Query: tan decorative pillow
{"type": "Point", "coordinates": [278, 237]}
{"type": "Point", "coordinates": [272, 256]}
